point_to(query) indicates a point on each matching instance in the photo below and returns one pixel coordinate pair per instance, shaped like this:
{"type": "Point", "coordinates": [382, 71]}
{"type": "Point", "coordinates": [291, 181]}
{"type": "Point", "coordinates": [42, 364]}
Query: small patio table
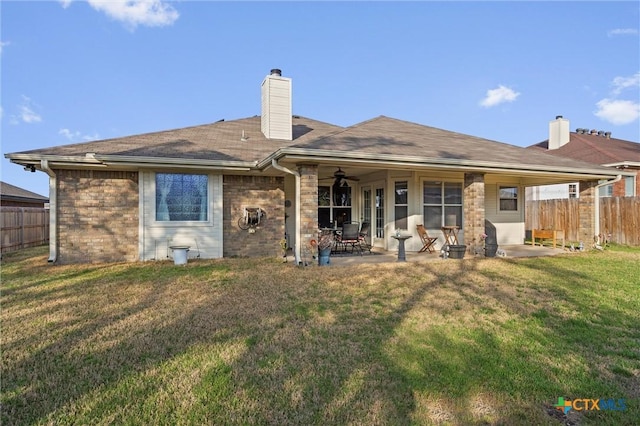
{"type": "Point", "coordinates": [450, 235]}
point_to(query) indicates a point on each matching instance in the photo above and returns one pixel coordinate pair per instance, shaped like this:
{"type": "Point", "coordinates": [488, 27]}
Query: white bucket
{"type": "Point", "coordinates": [180, 255]}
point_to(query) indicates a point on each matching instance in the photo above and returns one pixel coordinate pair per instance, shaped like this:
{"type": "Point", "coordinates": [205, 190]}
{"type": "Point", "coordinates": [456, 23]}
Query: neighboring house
{"type": "Point", "coordinates": [131, 198]}
{"type": "Point", "coordinates": [591, 146]}
{"type": "Point", "coordinates": [13, 196]}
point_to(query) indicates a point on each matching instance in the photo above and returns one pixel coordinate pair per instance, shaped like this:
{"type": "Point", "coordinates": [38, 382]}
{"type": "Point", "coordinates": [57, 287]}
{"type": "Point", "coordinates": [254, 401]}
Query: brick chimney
{"type": "Point", "coordinates": [558, 132]}
{"type": "Point", "coordinates": [276, 106]}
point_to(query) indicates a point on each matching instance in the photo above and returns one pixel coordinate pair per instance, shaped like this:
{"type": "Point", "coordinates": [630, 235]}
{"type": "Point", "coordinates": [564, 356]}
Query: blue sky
{"type": "Point", "coordinates": [74, 71]}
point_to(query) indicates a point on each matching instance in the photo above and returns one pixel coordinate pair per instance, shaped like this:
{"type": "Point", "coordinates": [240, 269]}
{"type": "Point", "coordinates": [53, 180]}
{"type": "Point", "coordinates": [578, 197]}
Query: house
{"type": "Point", "coordinates": [238, 187]}
{"type": "Point", "coordinates": [591, 146]}
{"type": "Point", "coordinates": [14, 196]}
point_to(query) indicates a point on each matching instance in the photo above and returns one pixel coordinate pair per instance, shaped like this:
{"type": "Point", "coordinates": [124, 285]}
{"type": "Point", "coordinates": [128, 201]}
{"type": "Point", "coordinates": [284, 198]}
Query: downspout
{"type": "Point", "coordinates": [597, 204]}
{"type": "Point", "coordinates": [296, 248]}
{"type": "Point", "coordinates": [53, 211]}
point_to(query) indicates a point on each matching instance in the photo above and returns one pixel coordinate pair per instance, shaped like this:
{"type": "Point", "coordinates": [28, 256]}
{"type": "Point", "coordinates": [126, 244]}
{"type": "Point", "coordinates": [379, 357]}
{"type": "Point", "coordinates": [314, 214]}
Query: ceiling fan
{"type": "Point", "coordinates": [340, 175]}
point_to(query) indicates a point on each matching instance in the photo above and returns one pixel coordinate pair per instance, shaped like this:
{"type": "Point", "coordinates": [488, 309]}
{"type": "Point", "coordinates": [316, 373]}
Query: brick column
{"type": "Point", "coordinates": [586, 208]}
{"type": "Point", "coordinates": [308, 203]}
{"type": "Point", "coordinates": [473, 199]}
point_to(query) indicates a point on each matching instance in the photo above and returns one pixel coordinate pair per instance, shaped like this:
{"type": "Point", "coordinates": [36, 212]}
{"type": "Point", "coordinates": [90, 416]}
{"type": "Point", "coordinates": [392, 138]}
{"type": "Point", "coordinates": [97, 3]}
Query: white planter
{"type": "Point", "coordinates": [179, 254]}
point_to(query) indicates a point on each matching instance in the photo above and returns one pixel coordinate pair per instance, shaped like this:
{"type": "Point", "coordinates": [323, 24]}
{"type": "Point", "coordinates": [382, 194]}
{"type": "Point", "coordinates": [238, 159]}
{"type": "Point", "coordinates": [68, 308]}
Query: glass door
{"type": "Point", "coordinates": [372, 208]}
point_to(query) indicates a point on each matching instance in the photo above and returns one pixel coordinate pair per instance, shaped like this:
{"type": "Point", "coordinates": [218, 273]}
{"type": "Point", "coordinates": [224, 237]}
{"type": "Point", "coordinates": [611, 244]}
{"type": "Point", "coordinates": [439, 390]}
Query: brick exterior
{"type": "Point", "coordinates": [620, 187]}
{"type": "Point", "coordinates": [474, 212]}
{"type": "Point", "coordinates": [308, 204]}
{"type": "Point", "coordinates": [587, 228]}
{"type": "Point", "coordinates": [253, 191]}
{"type": "Point", "coordinates": [97, 216]}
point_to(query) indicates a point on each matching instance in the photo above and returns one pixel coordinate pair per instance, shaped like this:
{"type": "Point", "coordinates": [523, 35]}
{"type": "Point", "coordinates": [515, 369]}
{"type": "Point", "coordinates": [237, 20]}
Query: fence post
{"type": "Point", "coordinates": [21, 221]}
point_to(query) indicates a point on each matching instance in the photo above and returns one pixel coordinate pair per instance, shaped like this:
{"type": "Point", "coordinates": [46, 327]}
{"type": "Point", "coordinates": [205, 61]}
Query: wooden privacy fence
{"type": "Point", "coordinates": [619, 217]}
{"type": "Point", "coordinates": [23, 227]}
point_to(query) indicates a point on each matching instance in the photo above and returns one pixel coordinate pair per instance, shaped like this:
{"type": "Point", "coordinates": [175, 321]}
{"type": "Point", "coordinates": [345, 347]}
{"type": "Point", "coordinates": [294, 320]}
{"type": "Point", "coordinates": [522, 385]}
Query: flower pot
{"type": "Point", "coordinates": [324, 256]}
{"type": "Point", "coordinates": [457, 251]}
{"type": "Point", "coordinates": [490, 250]}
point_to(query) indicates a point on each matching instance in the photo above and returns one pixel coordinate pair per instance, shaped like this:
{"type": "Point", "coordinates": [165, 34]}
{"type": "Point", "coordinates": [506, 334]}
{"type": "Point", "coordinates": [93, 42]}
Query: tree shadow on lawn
{"type": "Point", "coordinates": [575, 342]}
{"type": "Point", "coordinates": [275, 344]}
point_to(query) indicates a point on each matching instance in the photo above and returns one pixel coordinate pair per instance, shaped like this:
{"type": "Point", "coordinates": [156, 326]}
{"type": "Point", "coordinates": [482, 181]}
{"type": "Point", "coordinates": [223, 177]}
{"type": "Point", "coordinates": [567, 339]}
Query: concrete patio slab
{"type": "Point", "coordinates": [381, 256]}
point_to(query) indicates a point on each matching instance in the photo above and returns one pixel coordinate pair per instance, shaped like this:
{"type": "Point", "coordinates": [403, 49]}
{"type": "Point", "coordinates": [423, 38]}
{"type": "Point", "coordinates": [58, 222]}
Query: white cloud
{"type": "Point", "coordinates": [621, 83]}
{"type": "Point", "coordinates": [498, 96]}
{"type": "Point", "coordinates": [152, 13]}
{"type": "Point", "coordinates": [77, 136]}
{"type": "Point", "coordinates": [3, 44]}
{"type": "Point", "coordinates": [622, 31]}
{"type": "Point", "coordinates": [618, 111]}
{"type": "Point", "coordinates": [26, 112]}
{"type": "Point", "coordinates": [65, 3]}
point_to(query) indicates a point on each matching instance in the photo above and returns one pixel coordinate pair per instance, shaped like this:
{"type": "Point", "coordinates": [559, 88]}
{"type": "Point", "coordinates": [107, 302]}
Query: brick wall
{"type": "Point", "coordinates": [619, 188]}
{"type": "Point", "coordinates": [308, 205]}
{"type": "Point", "coordinates": [587, 228]}
{"type": "Point", "coordinates": [97, 216]}
{"type": "Point", "coordinates": [253, 191]}
{"type": "Point", "coordinates": [474, 212]}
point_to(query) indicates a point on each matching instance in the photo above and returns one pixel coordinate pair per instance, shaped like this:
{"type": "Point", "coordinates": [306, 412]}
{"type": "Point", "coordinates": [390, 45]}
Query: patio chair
{"type": "Point", "coordinates": [427, 241]}
{"type": "Point", "coordinates": [364, 235]}
{"type": "Point", "coordinates": [351, 237]}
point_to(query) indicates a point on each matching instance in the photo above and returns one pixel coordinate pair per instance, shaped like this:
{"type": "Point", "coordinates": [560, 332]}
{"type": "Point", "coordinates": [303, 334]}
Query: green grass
{"type": "Point", "coordinates": [238, 341]}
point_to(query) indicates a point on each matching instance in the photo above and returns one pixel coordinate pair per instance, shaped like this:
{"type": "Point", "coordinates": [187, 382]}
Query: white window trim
{"type": "Point", "coordinates": [184, 223]}
{"type": "Point", "coordinates": [518, 200]}
{"type": "Point", "coordinates": [442, 204]}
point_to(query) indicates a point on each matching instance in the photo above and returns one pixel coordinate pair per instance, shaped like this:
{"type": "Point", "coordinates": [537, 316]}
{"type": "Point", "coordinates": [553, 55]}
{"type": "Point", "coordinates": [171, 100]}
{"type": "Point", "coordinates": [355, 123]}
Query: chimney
{"type": "Point", "coordinates": [558, 132]}
{"type": "Point", "coordinates": [276, 106]}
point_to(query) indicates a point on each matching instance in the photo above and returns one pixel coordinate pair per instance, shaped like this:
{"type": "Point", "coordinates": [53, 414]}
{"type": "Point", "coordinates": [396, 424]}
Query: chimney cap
{"type": "Point", "coordinates": [558, 117]}
{"type": "Point", "coordinates": [276, 71]}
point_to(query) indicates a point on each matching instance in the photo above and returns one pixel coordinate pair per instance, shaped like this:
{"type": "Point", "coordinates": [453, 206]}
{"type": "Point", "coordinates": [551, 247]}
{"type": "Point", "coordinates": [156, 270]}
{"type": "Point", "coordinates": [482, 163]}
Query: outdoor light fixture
{"type": "Point", "coordinates": [30, 168]}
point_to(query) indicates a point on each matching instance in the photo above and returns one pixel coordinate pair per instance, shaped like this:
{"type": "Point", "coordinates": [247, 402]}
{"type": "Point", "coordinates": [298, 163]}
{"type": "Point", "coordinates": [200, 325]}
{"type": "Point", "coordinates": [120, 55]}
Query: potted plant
{"type": "Point", "coordinates": [325, 244]}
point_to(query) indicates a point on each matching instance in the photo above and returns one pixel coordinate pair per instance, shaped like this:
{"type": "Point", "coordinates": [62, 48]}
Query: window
{"type": "Point", "coordinates": [629, 186]}
{"type": "Point", "coordinates": [401, 204]}
{"type": "Point", "coordinates": [573, 190]}
{"type": "Point", "coordinates": [442, 204]}
{"type": "Point", "coordinates": [334, 204]}
{"type": "Point", "coordinates": [508, 198]}
{"type": "Point", "coordinates": [606, 191]}
{"type": "Point", "coordinates": [181, 197]}
{"type": "Point", "coordinates": [379, 212]}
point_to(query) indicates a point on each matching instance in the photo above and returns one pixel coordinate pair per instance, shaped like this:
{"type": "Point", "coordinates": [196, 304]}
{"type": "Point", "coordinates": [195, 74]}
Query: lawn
{"type": "Point", "coordinates": [238, 341]}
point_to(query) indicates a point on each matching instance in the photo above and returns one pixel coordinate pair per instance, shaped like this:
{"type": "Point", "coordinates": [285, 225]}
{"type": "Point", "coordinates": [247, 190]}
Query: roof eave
{"type": "Point", "coordinates": [91, 160]}
{"type": "Point", "coordinates": [302, 154]}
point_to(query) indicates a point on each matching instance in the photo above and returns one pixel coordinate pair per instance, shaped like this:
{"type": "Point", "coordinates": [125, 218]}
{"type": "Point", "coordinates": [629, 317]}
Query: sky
{"type": "Point", "coordinates": [74, 71]}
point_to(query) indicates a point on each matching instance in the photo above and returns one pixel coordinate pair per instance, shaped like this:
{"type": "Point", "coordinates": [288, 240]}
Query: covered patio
{"type": "Point", "coordinates": [378, 255]}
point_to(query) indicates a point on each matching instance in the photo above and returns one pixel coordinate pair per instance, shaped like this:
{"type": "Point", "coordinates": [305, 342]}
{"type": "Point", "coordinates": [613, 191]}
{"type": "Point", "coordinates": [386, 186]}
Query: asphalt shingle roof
{"type": "Point", "coordinates": [388, 136]}
{"type": "Point", "coordinates": [594, 149]}
{"type": "Point", "coordinates": [219, 141]}
{"type": "Point", "coordinates": [381, 136]}
{"type": "Point", "coordinates": [8, 190]}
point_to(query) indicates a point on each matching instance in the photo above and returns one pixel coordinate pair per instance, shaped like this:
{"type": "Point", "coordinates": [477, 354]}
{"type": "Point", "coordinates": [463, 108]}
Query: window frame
{"type": "Point", "coordinates": [499, 198]}
{"type": "Point", "coordinates": [398, 223]}
{"type": "Point", "coordinates": [443, 204]}
{"type": "Point", "coordinates": [333, 209]}
{"type": "Point", "coordinates": [181, 223]}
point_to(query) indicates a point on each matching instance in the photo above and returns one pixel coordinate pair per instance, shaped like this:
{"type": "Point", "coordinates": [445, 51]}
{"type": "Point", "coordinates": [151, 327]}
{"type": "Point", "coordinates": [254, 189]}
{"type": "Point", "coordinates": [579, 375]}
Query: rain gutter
{"type": "Point", "coordinates": [303, 154]}
{"type": "Point", "coordinates": [53, 211]}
